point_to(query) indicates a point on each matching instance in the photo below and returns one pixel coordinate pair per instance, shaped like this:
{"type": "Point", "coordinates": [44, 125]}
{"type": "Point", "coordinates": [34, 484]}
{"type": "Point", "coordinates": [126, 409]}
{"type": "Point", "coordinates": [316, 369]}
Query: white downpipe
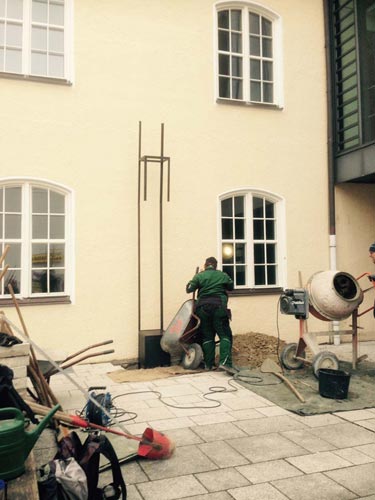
{"type": "Point", "coordinates": [333, 267]}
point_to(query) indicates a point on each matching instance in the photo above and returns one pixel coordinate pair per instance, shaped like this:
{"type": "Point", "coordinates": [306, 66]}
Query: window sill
{"type": "Point", "coordinates": [36, 301]}
{"type": "Point", "coordinates": [41, 79]}
{"type": "Point", "coordinates": [263, 105]}
{"type": "Point", "coordinates": [246, 292]}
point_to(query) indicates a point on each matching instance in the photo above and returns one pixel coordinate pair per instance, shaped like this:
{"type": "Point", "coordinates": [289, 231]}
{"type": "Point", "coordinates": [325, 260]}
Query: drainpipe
{"type": "Point", "coordinates": [330, 156]}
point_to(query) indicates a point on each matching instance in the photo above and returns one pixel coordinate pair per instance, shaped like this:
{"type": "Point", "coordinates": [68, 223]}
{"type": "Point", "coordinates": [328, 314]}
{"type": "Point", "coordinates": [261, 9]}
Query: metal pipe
{"type": "Point", "coordinates": [161, 227]}
{"type": "Point", "coordinates": [139, 223]}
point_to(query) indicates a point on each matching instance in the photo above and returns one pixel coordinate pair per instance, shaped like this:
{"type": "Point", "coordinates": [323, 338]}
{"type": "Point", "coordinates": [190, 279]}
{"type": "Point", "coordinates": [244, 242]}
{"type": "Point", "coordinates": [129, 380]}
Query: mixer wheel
{"type": "Point", "coordinates": [193, 358]}
{"type": "Point", "coordinates": [324, 359]}
{"type": "Point", "coordinates": [288, 359]}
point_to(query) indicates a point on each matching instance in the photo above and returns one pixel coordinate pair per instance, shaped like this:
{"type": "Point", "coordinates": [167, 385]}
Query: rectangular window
{"type": "Point", "coordinates": [35, 38]}
{"type": "Point", "coordinates": [249, 244]}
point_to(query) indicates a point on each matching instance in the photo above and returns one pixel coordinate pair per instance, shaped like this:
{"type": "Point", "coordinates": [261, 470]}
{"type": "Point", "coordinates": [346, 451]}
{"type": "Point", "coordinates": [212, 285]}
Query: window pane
{"type": "Point", "coordinates": [14, 34]}
{"type": "Point", "coordinates": [13, 257]}
{"type": "Point", "coordinates": [254, 46]}
{"type": "Point", "coordinates": [57, 227]}
{"type": "Point", "coordinates": [236, 42]}
{"type": "Point", "coordinates": [271, 275]}
{"type": "Point", "coordinates": [267, 92]}
{"type": "Point", "coordinates": [39, 282]}
{"type": "Point", "coordinates": [224, 87]}
{"type": "Point", "coordinates": [39, 255]}
{"type": "Point", "coordinates": [266, 27]}
{"type": "Point", "coordinates": [13, 199]}
{"type": "Point", "coordinates": [258, 207]}
{"type": "Point", "coordinates": [236, 89]}
{"type": "Point", "coordinates": [258, 228]}
{"type": "Point", "coordinates": [224, 64]}
{"type": "Point", "coordinates": [57, 255]}
{"type": "Point", "coordinates": [56, 280]}
{"type": "Point", "coordinates": [255, 69]}
{"type": "Point", "coordinates": [267, 47]}
{"type": "Point", "coordinates": [239, 206]}
{"type": "Point", "coordinates": [236, 66]}
{"type": "Point", "coordinates": [56, 40]}
{"type": "Point", "coordinates": [226, 208]}
{"type": "Point", "coordinates": [1, 225]}
{"type": "Point", "coordinates": [235, 19]}
{"type": "Point", "coordinates": [13, 60]}
{"type": "Point", "coordinates": [56, 14]}
{"type": "Point", "coordinates": [259, 257]}
{"type": "Point", "coordinates": [2, 62]}
{"type": "Point", "coordinates": [239, 229]}
{"type": "Point", "coordinates": [2, 8]}
{"type": "Point", "coordinates": [2, 32]}
{"type": "Point", "coordinates": [270, 230]}
{"type": "Point", "coordinates": [13, 278]}
{"type": "Point", "coordinates": [38, 63]}
{"type": "Point", "coordinates": [224, 40]}
{"type": "Point", "coordinates": [255, 91]}
{"type": "Point", "coordinates": [39, 11]}
{"type": "Point", "coordinates": [229, 271]}
{"type": "Point", "coordinates": [39, 38]}
{"type": "Point", "coordinates": [57, 202]}
{"type": "Point", "coordinates": [267, 71]}
{"type": "Point", "coordinates": [12, 226]}
{"type": "Point", "coordinates": [40, 226]}
{"type": "Point", "coordinates": [240, 253]}
{"type": "Point", "coordinates": [271, 253]}
{"type": "Point", "coordinates": [270, 212]}
{"type": "Point", "coordinates": [254, 23]}
{"type": "Point", "coordinates": [227, 229]}
{"type": "Point", "coordinates": [15, 9]}
{"type": "Point", "coordinates": [40, 201]}
{"type": "Point", "coordinates": [56, 66]}
{"type": "Point", "coordinates": [228, 253]}
{"type": "Point", "coordinates": [260, 275]}
{"type": "Point", "coordinates": [223, 19]}
{"type": "Point", "coordinates": [240, 275]}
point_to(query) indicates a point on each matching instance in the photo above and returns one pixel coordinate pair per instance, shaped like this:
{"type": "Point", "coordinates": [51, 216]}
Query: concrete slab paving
{"type": "Point", "coordinates": [268, 471]}
{"type": "Point", "coordinates": [222, 454]}
{"type": "Point", "coordinates": [360, 479]}
{"type": "Point", "coordinates": [258, 491]}
{"type": "Point", "coordinates": [308, 440]}
{"type": "Point", "coordinates": [223, 479]}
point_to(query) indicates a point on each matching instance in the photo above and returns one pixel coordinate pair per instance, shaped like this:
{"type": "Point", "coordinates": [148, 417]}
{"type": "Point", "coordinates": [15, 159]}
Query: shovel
{"type": "Point", "coordinates": [153, 444]}
{"type": "Point", "coordinates": [269, 366]}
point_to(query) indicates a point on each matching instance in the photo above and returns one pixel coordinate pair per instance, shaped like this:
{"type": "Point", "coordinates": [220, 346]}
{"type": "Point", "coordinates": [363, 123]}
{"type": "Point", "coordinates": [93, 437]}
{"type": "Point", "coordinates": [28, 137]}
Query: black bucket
{"type": "Point", "coordinates": [333, 384]}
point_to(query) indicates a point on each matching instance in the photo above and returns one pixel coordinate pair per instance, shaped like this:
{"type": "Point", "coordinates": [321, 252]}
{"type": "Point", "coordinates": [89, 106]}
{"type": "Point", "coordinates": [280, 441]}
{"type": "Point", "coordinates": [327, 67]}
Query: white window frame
{"type": "Point", "coordinates": [26, 46]}
{"type": "Point", "coordinates": [26, 184]}
{"type": "Point", "coordinates": [280, 225]}
{"type": "Point", "coordinates": [246, 7]}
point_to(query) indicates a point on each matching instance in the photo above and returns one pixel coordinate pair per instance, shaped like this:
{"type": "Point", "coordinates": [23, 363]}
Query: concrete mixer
{"type": "Point", "coordinates": [328, 296]}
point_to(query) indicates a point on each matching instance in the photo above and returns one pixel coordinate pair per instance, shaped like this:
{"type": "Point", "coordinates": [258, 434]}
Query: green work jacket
{"type": "Point", "coordinates": [211, 283]}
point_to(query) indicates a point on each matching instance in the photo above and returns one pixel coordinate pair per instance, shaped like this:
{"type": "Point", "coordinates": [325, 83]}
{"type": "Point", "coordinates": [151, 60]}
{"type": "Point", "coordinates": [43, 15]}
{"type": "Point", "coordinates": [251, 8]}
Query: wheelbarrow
{"type": "Point", "coordinates": [181, 338]}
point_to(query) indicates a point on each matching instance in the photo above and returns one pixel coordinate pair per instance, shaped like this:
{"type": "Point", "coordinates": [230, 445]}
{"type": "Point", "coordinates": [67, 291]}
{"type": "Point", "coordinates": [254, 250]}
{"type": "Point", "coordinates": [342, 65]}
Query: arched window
{"type": "Point", "coordinates": [248, 46]}
{"type": "Point", "coordinates": [36, 222]}
{"type": "Point", "coordinates": [252, 238]}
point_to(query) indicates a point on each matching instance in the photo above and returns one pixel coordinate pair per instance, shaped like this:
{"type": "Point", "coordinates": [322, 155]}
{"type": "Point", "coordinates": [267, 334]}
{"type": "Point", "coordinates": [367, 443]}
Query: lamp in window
{"type": "Point", "coordinates": [228, 252]}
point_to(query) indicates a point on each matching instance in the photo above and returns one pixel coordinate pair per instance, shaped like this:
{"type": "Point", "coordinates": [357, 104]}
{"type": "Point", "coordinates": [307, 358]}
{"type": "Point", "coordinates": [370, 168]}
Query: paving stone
{"type": "Point", "coordinates": [359, 478]}
{"type": "Point", "coordinates": [367, 449]}
{"type": "Point", "coordinates": [246, 414]}
{"type": "Point", "coordinates": [219, 495]}
{"type": "Point", "coordinates": [245, 402]}
{"type": "Point", "coordinates": [183, 437]}
{"type": "Point", "coordinates": [313, 487]}
{"type": "Point", "coordinates": [268, 471]}
{"type": "Point", "coordinates": [257, 492]}
{"type": "Point", "coordinates": [185, 460]}
{"type": "Point", "coordinates": [171, 423]}
{"type": "Point", "coordinates": [213, 418]}
{"type": "Point", "coordinates": [149, 414]}
{"type": "Point", "coordinates": [171, 489]}
{"type": "Point", "coordinates": [269, 424]}
{"type": "Point", "coordinates": [308, 440]}
{"type": "Point", "coordinates": [222, 454]}
{"type": "Point", "coordinates": [222, 479]}
{"type": "Point", "coordinates": [272, 411]}
{"type": "Point", "coordinates": [214, 432]}
{"type": "Point", "coordinates": [354, 456]}
{"type": "Point", "coordinates": [266, 447]}
{"type": "Point", "coordinates": [344, 435]}
{"type": "Point", "coordinates": [318, 462]}
{"type": "Point", "coordinates": [355, 415]}
{"type": "Point", "coordinates": [318, 420]}
{"type": "Point", "coordinates": [132, 493]}
{"type": "Point", "coordinates": [367, 424]}
{"type": "Point", "coordinates": [133, 473]}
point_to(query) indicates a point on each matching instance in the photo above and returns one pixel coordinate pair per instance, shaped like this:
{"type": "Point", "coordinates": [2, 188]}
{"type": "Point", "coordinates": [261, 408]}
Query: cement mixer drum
{"type": "Point", "coordinates": [333, 295]}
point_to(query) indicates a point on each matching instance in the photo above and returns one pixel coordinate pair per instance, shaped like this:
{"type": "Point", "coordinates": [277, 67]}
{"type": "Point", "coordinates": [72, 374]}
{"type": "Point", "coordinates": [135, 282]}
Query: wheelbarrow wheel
{"type": "Point", "coordinates": [193, 358]}
{"type": "Point", "coordinates": [324, 359]}
{"type": "Point", "coordinates": [287, 357]}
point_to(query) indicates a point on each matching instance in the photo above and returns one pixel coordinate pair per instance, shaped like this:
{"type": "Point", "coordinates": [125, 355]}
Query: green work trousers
{"type": "Point", "coordinates": [214, 320]}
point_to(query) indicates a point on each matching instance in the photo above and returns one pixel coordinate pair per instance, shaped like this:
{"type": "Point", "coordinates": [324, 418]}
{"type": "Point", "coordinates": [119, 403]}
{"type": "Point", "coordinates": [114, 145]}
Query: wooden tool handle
{"type": "Point", "coordinates": [291, 386]}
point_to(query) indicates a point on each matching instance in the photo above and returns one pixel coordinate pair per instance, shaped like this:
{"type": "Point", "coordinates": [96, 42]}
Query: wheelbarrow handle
{"type": "Point", "coordinates": [53, 370]}
{"type": "Point", "coordinates": [105, 342]}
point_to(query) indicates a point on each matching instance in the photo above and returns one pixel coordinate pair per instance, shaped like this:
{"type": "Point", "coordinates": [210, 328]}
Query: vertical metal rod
{"type": "Point", "coordinates": [169, 180]}
{"type": "Point", "coordinates": [139, 224]}
{"type": "Point", "coordinates": [161, 228]}
{"type": "Point", "coordinates": [145, 180]}
{"type": "Point", "coordinates": [355, 338]}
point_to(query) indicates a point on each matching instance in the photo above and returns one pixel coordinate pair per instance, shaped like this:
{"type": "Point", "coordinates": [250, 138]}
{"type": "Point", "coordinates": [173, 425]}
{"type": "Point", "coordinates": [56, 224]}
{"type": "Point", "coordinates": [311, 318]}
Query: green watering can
{"type": "Point", "coordinates": [15, 442]}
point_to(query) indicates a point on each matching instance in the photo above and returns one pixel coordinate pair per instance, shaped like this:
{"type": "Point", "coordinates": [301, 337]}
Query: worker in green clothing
{"type": "Point", "coordinates": [211, 308]}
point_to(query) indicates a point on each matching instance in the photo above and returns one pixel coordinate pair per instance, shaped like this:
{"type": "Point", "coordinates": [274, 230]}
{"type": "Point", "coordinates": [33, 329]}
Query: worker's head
{"type": "Point", "coordinates": [372, 252]}
{"type": "Point", "coordinates": [210, 261]}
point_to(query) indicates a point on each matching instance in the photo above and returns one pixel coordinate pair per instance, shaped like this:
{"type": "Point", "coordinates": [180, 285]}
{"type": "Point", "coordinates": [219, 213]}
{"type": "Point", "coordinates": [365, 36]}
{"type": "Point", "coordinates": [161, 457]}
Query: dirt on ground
{"type": "Point", "coordinates": [252, 348]}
